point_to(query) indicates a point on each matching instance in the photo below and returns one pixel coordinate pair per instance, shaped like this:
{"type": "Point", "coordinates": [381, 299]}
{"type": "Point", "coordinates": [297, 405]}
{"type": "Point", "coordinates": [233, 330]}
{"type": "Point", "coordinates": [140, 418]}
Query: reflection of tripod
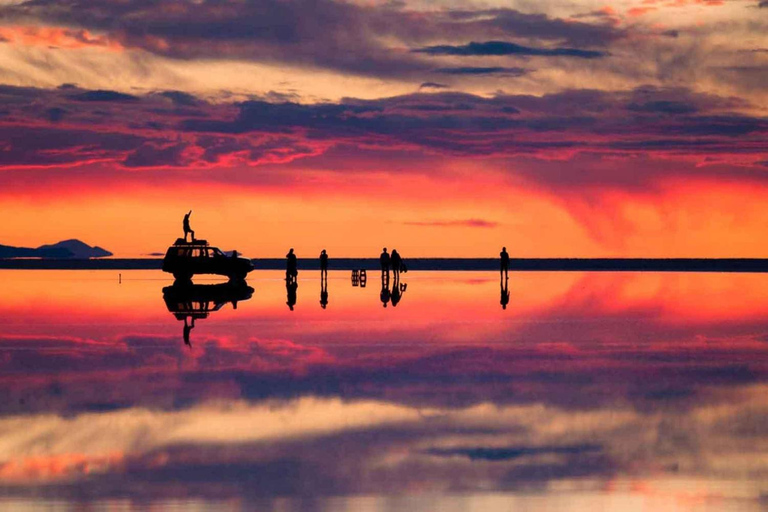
{"type": "Point", "coordinates": [359, 278]}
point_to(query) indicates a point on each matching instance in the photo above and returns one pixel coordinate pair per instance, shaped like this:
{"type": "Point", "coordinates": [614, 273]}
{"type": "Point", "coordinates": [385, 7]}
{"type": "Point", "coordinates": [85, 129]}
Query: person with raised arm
{"type": "Point", "coordinates": [187, 229]}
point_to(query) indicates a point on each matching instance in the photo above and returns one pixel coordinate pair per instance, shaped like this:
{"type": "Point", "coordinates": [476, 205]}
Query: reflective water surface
{"type": "Point", "coordinates": [564, 391]}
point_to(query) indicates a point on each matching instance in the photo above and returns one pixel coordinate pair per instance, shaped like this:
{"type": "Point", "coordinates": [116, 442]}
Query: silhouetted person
{"type": "Point", "coordinates": [290, 288]}
{"type": "Point", "coordinates": [397, 291]}
{"type": "Point", "coordinates": [504, 269]}
{"type": "Point", "coordinates": [187, 329]}
{"type": "Point", "coordinates": [385, 294]}
{"type": "Point", "coordinates": [291, 267]}
{"type": "Point", "coordinates": [396, 261]}
{"type": "Point", "coordinates": [504, 283]}
{"type": "Point", "coordinates": [323, 292]}
{"type": "Point", "coordinates": [187, 229]}
{"type": "Point", "coordinates": [384, 260]}
{"type": "Point", "coordinates": [323, 264]}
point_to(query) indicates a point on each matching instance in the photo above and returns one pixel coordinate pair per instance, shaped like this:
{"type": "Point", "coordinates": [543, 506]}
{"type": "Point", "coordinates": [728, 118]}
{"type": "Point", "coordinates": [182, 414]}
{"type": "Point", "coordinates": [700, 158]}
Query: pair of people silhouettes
{"type": "Point", "coordinates": [395, 261]}
{"type": "Point", "coordinates": [291, 278]}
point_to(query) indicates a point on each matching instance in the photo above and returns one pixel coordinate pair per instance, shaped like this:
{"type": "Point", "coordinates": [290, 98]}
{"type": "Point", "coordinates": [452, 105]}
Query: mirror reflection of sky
{"type": "Point", "coordinates": [616, 390]}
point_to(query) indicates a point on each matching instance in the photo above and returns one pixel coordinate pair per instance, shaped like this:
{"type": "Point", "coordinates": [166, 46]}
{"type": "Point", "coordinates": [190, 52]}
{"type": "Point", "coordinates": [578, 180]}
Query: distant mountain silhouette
{"type": "Point", "coordinates": [68, 249]}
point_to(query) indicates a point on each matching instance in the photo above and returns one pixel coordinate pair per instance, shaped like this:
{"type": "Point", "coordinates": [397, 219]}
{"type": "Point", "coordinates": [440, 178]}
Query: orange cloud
{"type": "Point", "coordinates": [61, 37]}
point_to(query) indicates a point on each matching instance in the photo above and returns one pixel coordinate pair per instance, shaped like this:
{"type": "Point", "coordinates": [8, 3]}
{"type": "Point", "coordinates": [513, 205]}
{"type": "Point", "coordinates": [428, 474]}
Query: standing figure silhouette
{"type": "Point", "coordinates": [323, 264]}
{"type": "Point", "coordinates": [504, 268]}
{"type": "Point", "coordinates": [384, 260]}
{"type": "Point", "coordinates": [397, 261]}
{"type": "Point", "coordinates": [187, 229]}
{"type": "Point", "coordinates": [291, 266]}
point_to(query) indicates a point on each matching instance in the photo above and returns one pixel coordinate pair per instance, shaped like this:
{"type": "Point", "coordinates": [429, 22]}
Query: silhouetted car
{"type": "Point", "coordinates": [185, 259]}
{"type": "Point", "coordinates": [199, 300]}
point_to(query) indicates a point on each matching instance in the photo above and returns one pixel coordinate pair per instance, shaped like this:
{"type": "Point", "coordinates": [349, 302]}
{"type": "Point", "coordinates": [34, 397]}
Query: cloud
{"type": "Point", "coordinates": [363, 39]}
{"type": "Point", "coordinates": [108, 96]}
{"type": "Point", "coordinates": [433, 85]}
{"type": "Point", "coordinates": [663, 107]}
{"type": "Point", "coordinates": [466, 70]}
{"type": "Point", "coordinates": [497, 48]}
{"type": "Point", "coordinates": [151, 155]}
{"type": "Point", "coordinates": [70, 127]}
{"type": "Point", "coordinates": [180, 98]}
{"type": "Point", "coordinates": [468, 223]}
{"type": "Point", "coordinates": [55, 114]}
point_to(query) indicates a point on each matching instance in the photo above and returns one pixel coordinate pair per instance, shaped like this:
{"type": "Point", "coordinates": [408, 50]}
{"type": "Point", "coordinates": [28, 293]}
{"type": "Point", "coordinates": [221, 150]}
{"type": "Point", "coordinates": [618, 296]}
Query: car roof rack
{"type": "Point", "coordinates": [195, 243]}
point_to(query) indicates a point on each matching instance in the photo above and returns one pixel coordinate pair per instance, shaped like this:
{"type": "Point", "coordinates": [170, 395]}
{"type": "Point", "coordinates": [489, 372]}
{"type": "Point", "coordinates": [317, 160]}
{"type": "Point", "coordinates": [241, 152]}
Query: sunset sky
{"type": "Point", "coordinates": [441, 128]}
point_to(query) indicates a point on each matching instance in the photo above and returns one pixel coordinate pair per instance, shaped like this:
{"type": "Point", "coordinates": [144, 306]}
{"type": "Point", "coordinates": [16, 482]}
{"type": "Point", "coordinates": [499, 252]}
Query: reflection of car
{"type": "Point", "coordinates": [185, 259]}
{"type": "Point", "coordinates": [198, 300]}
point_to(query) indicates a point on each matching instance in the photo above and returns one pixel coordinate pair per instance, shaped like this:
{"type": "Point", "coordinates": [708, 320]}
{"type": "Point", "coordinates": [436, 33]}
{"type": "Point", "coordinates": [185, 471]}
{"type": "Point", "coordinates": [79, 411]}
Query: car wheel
{"type": "Point", "coordinates": [182, 277]}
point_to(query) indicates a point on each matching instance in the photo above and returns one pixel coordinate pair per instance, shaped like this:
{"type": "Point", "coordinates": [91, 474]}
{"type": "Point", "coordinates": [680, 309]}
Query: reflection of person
{"type": "Point", "coordinates": [323, 292]}
{"type": "Point", "coordinates": [384, 260]}
{"type": "Point", "coordinates": [187, 229]}
{"type": "Point", "coordinates": [291, 267]}
{"type": "Point", "coordinates": [397, 292]}
{"type": "Point", "coordinates": [504, 268]}
{"type": "Point", "coordinates": [187, 329]}
{"type": "Point", "coordinates": [323, 264]}
{"type": "Point", "coordinates": [385, 294]}
{"type": "Point", "coordinates": [504, 293]}
{"type": "Point", "coordinates": [290, 288]}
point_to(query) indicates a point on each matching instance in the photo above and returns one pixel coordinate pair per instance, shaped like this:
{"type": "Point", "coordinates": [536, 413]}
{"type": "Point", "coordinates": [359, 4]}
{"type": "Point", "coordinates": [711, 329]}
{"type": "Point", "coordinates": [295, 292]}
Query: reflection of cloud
{"type": "Point", "coordinates": [138, 431]}
{"type": "Point", "coordinates": [315, 446]}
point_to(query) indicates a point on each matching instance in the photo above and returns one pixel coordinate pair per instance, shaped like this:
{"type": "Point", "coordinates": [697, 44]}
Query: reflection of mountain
{"type": "Point", "coordinates": [199, 300]}
{"type": "Point", "coordinates": [71, 249]}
